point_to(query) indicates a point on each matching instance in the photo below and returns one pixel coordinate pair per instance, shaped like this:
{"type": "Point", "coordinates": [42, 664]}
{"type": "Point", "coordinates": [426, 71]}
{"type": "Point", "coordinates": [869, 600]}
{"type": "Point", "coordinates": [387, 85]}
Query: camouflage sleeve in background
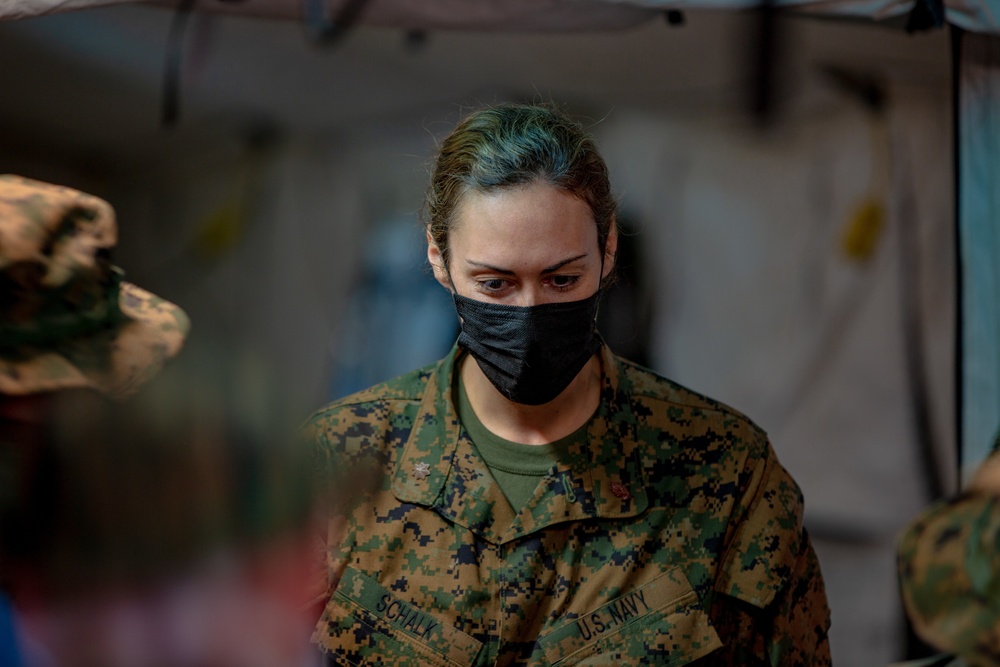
{"type": "Point", "coordinates": [949, 568]}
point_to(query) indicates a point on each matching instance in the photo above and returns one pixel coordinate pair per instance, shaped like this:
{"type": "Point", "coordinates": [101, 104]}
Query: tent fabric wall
{"type": "Point", "coordinates": [979, 238]}
{"type": "Point", "coordinates": [257, 245]}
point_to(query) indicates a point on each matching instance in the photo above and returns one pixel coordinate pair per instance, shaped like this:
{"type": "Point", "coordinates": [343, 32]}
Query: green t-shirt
{"type": "Point", "coordinates": [516, 467]}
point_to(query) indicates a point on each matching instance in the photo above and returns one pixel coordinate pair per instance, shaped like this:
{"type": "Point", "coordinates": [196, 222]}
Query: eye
{"type": "Point", "coordinates": [563, 282]}
{"type": "Point", "coordinates": [493, 285]}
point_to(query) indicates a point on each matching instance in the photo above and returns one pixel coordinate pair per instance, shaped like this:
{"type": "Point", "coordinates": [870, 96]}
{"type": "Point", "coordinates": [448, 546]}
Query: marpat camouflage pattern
{"type": "Point", "coordinates": [949, 569]}
{"type": "Point", "coordinates": [673, 537]}
{"type": "Point", "coordinates": [67, 319]}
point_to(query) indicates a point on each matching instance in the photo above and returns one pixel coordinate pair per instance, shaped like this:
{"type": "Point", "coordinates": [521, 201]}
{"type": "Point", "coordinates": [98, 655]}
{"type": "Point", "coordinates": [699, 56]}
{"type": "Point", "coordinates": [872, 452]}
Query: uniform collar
{"type": "Point", "coordinates": [600, 478]}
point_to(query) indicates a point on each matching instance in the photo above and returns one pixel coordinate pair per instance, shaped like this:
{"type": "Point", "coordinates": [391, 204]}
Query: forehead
{"type": "Point", "coordinates": [523, 219]}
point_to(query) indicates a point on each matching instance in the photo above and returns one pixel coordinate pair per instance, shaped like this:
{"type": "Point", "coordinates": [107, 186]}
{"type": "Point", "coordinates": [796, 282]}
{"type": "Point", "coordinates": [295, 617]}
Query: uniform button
{"type": "Point", "coordinates": [620, 491]}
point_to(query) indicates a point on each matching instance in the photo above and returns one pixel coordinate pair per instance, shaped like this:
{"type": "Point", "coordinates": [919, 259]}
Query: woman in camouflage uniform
{"type": "Point", "coordinates": [542, 501]}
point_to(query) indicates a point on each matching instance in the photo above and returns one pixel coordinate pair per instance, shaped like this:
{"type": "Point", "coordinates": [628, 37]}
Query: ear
{"type": "Point", "coordinates": [436, 260]}
{"type": "Point", "coordinates": [610, 250]}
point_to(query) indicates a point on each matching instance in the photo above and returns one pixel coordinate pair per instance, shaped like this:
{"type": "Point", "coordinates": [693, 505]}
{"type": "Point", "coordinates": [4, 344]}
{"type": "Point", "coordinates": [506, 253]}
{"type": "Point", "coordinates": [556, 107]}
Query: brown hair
{"type": "Point", "coordinates": [515, 144]}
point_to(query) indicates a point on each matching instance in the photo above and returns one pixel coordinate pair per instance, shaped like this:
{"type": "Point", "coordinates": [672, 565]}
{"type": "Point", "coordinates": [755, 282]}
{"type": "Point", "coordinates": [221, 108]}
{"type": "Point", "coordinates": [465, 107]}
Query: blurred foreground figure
{"type": "Point", "coordinates": [67, 321]}
{"type": "Point", "coordinates": [139, 525]}
{"type": "Point", "coordinates": [170, 529]}
{"type": "Point", "coordinates": [949, 564]}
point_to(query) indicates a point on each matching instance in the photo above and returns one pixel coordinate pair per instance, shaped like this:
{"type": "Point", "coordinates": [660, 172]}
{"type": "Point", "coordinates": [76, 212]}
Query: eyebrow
{"type": "Point", "coordinates": [508, 272]}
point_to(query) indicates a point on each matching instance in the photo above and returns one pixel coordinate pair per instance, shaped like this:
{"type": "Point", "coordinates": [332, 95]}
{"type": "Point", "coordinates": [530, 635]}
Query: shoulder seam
{"type": "Point", "coordinates": [710, 404]}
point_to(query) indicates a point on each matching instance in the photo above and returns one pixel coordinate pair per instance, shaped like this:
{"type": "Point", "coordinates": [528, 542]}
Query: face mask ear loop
{"type": "Point", "coordinates": [600, 289]}
{"type": "Point", "coordinates": [454, 291]}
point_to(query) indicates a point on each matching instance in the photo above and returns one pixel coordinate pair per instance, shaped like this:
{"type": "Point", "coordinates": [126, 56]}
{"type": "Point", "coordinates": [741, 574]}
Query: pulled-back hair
{"type": "Point", "coordinates": [517, 144]}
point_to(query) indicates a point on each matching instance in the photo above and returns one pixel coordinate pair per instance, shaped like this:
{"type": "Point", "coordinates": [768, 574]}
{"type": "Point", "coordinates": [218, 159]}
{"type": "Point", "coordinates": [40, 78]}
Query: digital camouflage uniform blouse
{"type": "Point", "coordinates": [673, 537]}
{"type": "Point", "coordinates": [949, 568]}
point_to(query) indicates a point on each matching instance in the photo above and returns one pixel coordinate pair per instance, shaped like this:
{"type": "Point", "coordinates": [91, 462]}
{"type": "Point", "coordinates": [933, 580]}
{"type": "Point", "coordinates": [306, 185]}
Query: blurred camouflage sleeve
{"type": "Point", "coordinates": [949, 569]}
{"type": "Point", "coordinates": [346, 478]}
{"type": "Point", "coordinates": [319, 571]}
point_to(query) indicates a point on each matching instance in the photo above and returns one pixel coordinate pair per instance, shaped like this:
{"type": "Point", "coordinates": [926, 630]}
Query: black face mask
{"type": "Point", "coordinates": [529, 353]}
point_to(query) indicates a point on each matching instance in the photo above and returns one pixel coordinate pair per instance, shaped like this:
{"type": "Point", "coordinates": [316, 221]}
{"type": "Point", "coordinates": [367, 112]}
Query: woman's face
{"type": "Point", "coordinates": [523, 246]}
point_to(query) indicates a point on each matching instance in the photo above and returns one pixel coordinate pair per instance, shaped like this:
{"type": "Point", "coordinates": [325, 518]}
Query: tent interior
{"type": "Point", "coordinates": [791, 246]}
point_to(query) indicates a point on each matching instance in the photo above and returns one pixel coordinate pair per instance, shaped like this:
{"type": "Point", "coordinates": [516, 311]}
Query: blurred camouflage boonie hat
{"type": "Point", "coordinates": [67, 319]}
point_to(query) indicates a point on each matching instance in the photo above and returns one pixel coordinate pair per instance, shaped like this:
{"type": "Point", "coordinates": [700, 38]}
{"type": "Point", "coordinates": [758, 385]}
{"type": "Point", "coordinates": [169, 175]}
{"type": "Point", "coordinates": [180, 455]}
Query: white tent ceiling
{"type": "Point", "coordinates": [555, 15]}
{"type": "Point", "coordinates": [550, 15]}
{"type": "Point", "coordinates": [547, 15]}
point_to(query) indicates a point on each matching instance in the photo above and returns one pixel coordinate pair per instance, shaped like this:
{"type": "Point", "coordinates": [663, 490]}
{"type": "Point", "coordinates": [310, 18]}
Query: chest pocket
{"type": "Point", "coordinates": [365, 624]}
{"type": "Point", "coordinates": [660, 622]}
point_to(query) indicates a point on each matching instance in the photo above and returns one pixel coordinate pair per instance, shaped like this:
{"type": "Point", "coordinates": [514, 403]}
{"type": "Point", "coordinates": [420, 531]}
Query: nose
{"type": "Point", "coordinates": [529, 295]}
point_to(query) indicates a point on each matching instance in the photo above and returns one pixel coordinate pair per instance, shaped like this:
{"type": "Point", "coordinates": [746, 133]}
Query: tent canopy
{"type": "Point", "coordinates": [550, 15]}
